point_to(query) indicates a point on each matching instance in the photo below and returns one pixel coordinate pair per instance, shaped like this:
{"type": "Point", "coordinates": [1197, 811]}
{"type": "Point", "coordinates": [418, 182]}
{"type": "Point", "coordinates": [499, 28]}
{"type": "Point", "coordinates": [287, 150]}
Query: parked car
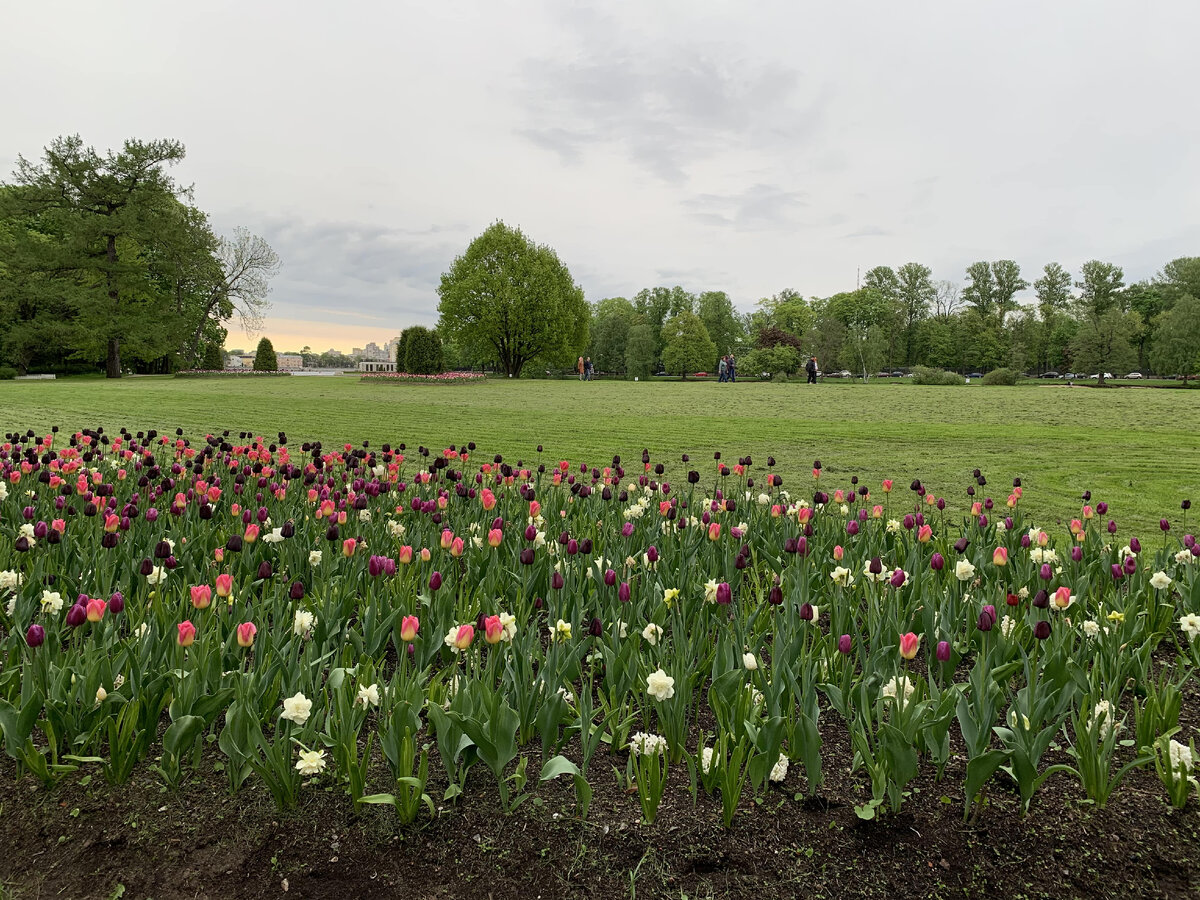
{"type": "Point", "coordinates": [1134, 375]}
{"type": "Point", "coordinates": [897, 374]}
{"type": "Point", "coordinates": [1050, 374]}
{"type": "Point", "coordinates": [1071, 375]}
{"type": "Point", "coordinates": [975, 375]}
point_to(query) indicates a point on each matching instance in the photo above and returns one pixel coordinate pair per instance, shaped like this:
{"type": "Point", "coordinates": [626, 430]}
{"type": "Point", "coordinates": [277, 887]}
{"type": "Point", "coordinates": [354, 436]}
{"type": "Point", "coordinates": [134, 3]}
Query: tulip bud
{"type": "Point", "coordinates": [1041, 630]}
{"type": "Point", "coordinates": [806, 611]}
{"type": "Point", "coordinates": [898, 578]}
{"type": "Point", "coordinates": [775, 595]}
{"type": "Point", "coordinates": [909, 644]}
{"type": "Point", "coordinates": [35, 636]}
{"type": "Point", "coordinates": [610, 577]}
{"type": "Point", "coordinates": [652, 553]}
{"type": "Point", "coordinates": [116, 603]}
{"type": "Point", "coordinates": [943, 651]}
{"type": "Point", "coordinates": [264, 570]}
{"type": "Point", "coordinates": [296, 591]}
{"type": "Point", "coordinates": [1077, 553]}
{"type": "Point", "coordinates": [596, 629]}
{"type": "Point", "coordinates": [435, 581]}
{"type": "Point", "coordinates": [187, 634]}
{"type": "Point", "coordinates": [844, 645]}
{"type": "Point", "coordinates": [724, 593]}
{"type": "Point", "coordinates": [527, 556]}
{"type": "Point", "coordinates": [1135, 545]}
{"type": "Point", "coordinates": [937, 562]}
{"type": "Point", "coordinates": [245, 634]}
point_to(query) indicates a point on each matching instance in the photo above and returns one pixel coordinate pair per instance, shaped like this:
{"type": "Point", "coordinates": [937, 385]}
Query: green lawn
{"type": "Point", "coordinates": [1133, 447]}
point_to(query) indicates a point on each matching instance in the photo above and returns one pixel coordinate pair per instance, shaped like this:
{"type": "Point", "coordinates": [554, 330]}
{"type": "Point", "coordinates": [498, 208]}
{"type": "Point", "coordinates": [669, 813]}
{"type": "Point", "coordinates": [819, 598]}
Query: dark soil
{"type": "Point", "coordinates": [141, 841]}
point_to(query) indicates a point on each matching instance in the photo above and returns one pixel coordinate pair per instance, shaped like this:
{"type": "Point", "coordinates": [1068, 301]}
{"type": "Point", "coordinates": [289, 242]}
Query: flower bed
{"type": "Point", "coordinates": [325, 614]}
{"type": "Point", "coordinates": [227, 373]}
{"type": "Point", "coordinates": [406, 378]}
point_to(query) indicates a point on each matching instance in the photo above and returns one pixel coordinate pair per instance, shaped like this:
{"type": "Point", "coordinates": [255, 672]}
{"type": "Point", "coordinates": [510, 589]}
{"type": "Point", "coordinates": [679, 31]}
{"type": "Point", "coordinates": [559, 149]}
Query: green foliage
{"type": "Point", "coordinates": [609, 333]}
{"type": "Point", "coordinates": [721, 321]}
{"type": "Point", "coordinates": [1000, 376]}
{"type": "Point", "coordinates": [510, 299]}
{"type": "Point", "coordinates": [422, 351]}
{"type": "Point", "coordinates": [924, 375]}
{"type": "Point", "coordinates": [264, 357]}
{"type": "Point", "coordinates": [1176, 347]}
{"type": "Point", "coordinates": [214, 358]}
{"type": "Point", "coordinates": [7, 373]}
{"type": "Point", "coordinates": [641, 350]}
{"type": "Point", "coordinates": [686, 344]}
{"type": "Point", "coordinates": [780, 360]}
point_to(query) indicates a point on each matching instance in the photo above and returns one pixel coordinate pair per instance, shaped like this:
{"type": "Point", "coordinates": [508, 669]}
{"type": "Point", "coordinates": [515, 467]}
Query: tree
{"type": "Point", "coordinates": [1102, 339]}
{"type": "Point", "coordinates": [609, 333]}
{"type": "Point", "coordinates": [721, 321]}
{"type": "Point", "coordinates": [1053, 290]}
{"type": "Point", "coordinates": [686, 344]}
{"type": "Point", "coordinates": [776, 360]}
{"type": "Point", "coordinates": [1176, 347]}
{"type": "Point", "coordinates": [1007, 276]}
{"type": "Point", "coordinates": [108, 208]}
{"type": "Point", "coordinates": [862, 312]}
{"type": "Point", "coordinates": [656, 305]}
{"type": "Point", "coordinates": [402, 350]}
{"type": "Point", "coordinates": [947, 297]}
{"type": "Point", "coordinates": [1179, 278]}
{"type": "Point", "coordinates": [980, 291]}
{"type": "Point", "coordinates": [515, 299]}
{"type": "Point", "coordinates": [214, 358]}
{"type": "Point", "coordinates": [641, 350]}
{"type": "Point", "coordinates": [915, 294]}
{"type": "Point", "coordinates": [1105, 342]}
{"type": "Point", "coordinates": [882, 280]}
{"type": "Point", "coordinates": [264, 357]}
{"type": "Point", "coordinates": [422, 351]}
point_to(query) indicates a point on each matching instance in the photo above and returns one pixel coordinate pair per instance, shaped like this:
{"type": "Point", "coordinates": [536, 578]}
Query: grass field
{"type": "Point", "coordinates": [1133, 447]}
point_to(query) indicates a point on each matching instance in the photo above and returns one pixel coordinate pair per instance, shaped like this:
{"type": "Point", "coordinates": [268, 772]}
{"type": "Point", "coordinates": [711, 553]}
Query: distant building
{"type": "Point", "coordinates": [233, 362]}
{"type": "Point", "coordinates": [374, 352]}
{"type": "Point", "coordinates": [377, 365]}
{"type": "Point", "coordinates": [289, 362]}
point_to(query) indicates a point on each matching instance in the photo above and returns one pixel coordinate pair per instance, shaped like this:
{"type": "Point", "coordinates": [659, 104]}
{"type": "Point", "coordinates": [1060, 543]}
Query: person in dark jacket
{"type": "Point", "coordinates": [811, 368]}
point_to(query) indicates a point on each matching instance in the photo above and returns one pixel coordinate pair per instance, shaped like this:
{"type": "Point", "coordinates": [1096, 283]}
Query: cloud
{"type": "Point", "coordinates": [760, 206]}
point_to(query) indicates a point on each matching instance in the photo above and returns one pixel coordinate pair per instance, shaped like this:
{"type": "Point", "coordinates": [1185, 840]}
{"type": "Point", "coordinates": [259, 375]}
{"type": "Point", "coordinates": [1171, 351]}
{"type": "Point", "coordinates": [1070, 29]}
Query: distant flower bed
{"type": "Point", "coordinates": [227, 373]}
{"type": "Point", "coordinates": [405, 377]}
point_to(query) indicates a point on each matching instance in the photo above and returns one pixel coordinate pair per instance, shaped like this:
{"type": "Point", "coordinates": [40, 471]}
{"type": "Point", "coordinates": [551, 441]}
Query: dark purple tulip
{"type": "Point", "coordinates": [39, 530]}
{"type": "Point", "coordinates": [897, 579]}
{"type": "Point", "coordinates": [76, 615]}
{"type": "Point", "coordinates": [845, 645]}
{"type": "Point", "coordinates": [961, 545]}
{"type": "Point", "coordinates": [116, 603]}
{"type": "Point", "coordinates": [1025, 542]}
{"type": "Point", "coordinates": [983, 521]}
{"type": "Point", "coordinates": [740, 562]}
{"type": "Point", "coordinates": [332, 534]}
{"type": "Point", "coordinates": [289, 529]}
{"type": "Point", "coordinates": [875, 567]}
{"type": "Point", "coordinates": [724, 593]}
{"type": "Point", "coordinates": [108, 542]}
{"type": "Point", "coordinates": [1112, 527]}
{"type": "Point", "coordinates": [1130, 565]}
{"type": "Point", "coordinates": [146, 567]}
{"type": "Point", "coordinates": [610, 577]}
{"type": "Point", "coordinates": [21, 544]}
{"type": "Point", "coordinates": [775, 595]}
{"type": "Point", "coordinates": [1041, 599]}
{"type": "Point", "coordinates": [527, 556]}
{"type": "Point", "coordinates": [1117, 572]}
{"type": "Point", "coordinates": [530, 533]}
{"type": "Point", "coordinates": [234, 544]}
{"type": "Point", "coordinates": [943, 651]}
{"type": "Point", "coordinates": [28, 513]}
{"type": "Point", "coordinates": [1185, 505]}
{"type": "Point", "coordinates": [985, 622]}
{"type": "Point", "coordinates": [1164, 525]}
{"type": "Point", "coordinates": [652, 553]}
{"type": "Point", "coordinates": [1041, 630]}
{"type": "Point", "coordinates": [572, 547]}
{"type": "Point", "coordinates": [909, 522]}
{"type": "Point", "coordinates": [941, 504]}
{"type": "Point", "coordinates": [296, 591]}
{"type": "Point", "coordinates": [802, 544]}
{"type": "Point", "coordinates": [623, 592]}
{"type": "Point", "coordinates": [1101, 508]}
{"type": "Point", "coordinates": [862, 515]}
{"type": "Point", "coordinates": [1045, 572]}
{"type": "Point", "coordinates": [596, 629]}
{"type": "Point", "coordinates": [375, 566]}
{"type": "Point", "coordinates": [991, 611]}
{"type": "Point", "coordinates": [852, 528]}
{"type": "Point", "coordinates": [264, 570]}
{"type": "Point", "coordinates": [806, 611]}
{"type": "Point", "coordinates": [35, 636]}
{"type": "Point", "coordinates": [435, 581]}
{"type": "Point", "coordinates": [1077, 553]}
{"type": "Point", "coordinates": [789, 545]}
{"type": "Point", "coordinates": [936, 562]}
{"type": "Point", "coordinates": [1189, 541]}
{"type": "Point", "coordinates": [1135, 545]}
{"type": "Point", "coordinates": [171, 562]}
{"type": "Point", "coordinates": [556, 581]}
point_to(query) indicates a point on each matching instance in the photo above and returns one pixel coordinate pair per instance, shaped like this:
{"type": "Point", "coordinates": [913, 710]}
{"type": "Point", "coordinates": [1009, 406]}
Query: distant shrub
{"type": "Point", "coordinates": [264, 358]}
{"type": "Point", "coordinates": [780, 378]}
{"type": "Point", "coordinates": [1000, 376]}
{"type": "Point", "coordinates": [927, 376]}
{"type": "Point", "coordinates": [7, 373]}
{"type": "Point", "coordinates": [214, 357]}
{"type": "Point", "coordinates": [422, 352]}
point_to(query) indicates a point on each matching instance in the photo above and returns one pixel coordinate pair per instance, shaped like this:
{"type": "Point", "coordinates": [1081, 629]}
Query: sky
{"type": "Point", "coordinates": [737, 146]}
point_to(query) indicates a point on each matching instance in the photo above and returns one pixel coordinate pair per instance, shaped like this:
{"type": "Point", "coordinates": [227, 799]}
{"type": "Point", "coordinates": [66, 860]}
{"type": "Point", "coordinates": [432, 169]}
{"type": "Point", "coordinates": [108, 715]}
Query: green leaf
{"type": "Point", "coordinates": [558, 765]}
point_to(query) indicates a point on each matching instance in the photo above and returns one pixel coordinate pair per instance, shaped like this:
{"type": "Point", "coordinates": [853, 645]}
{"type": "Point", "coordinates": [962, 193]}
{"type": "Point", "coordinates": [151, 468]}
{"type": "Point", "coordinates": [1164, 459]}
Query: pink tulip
{"type": "Point", "coordinates": [202, 595]}
{"type": "Point", "coordinates": [245, 634]}
{"type": "Point", "coordinates": [909, 644]}
{"type": "Point", "coordinates": [409, 627]}
{"type": "Point", "coordinates": [187, 634]}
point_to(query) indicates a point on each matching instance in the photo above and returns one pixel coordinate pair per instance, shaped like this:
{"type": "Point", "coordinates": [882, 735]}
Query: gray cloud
{"type": "Point", "coordinates": [759, 206]}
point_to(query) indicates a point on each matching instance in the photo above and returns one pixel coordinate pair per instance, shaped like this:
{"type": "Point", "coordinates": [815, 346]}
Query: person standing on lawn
{"type": "Point", "coordinates": [579, 368]}
{"type": "Point", "coordinates": [811, 368]}
{"type": "Point", "coordinates": [722, 371]}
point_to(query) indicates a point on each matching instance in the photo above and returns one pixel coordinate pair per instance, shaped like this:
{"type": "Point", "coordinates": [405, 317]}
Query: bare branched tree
{"type": "Point", "coordinates": [248, 263]}
{"type": "Point", "coordinates": [947, 299]}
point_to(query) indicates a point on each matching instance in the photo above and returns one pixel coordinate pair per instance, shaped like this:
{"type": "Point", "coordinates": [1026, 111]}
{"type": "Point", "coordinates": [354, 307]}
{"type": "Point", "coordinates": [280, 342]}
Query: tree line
{"type": "Point", "coordinates": [509, 302]}
{"type": "Point", "coordinates": [105, 261]}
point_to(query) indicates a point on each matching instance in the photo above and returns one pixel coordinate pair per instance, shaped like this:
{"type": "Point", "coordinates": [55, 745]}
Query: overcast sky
{"type": "Point", "coordinates": [734, 146]}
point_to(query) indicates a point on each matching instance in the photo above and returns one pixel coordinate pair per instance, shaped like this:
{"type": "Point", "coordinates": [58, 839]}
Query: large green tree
{"type": "Point", "coordinates": [611, 320]}
{"type": "Point", "coordinates": [686, 344]}
{"type": "Point", "coordinates": [641, 349]}
{"type": "Point", "coordinates": [915, 295]}
{"type": "Point", "coordinates": [1105, 334]}
{"type": "Point", "coordinates": [721, 321]}
{"type": "Point", "coordinates": [513, 300]}
{"type": "Point", "coordinates": [1176, 347]}
{"type": "Point", "coordinates": [265, 359]}
{"type": "Point", "coordinates": [107, 209]}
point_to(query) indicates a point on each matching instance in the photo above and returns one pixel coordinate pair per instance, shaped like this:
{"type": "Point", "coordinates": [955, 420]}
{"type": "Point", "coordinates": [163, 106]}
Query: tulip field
{"type": "Point", "coordinates": [337, 666]}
